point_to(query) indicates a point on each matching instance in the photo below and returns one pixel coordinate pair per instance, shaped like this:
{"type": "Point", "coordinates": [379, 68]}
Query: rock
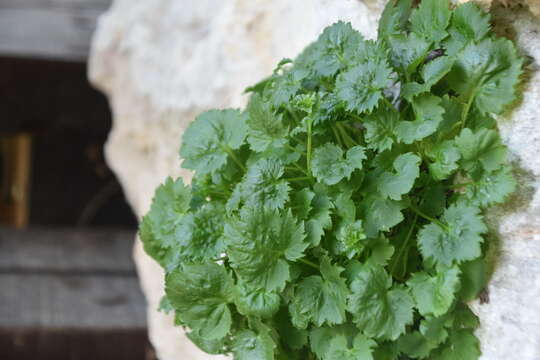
{"type": "Point", "coordinates": [162, 62]}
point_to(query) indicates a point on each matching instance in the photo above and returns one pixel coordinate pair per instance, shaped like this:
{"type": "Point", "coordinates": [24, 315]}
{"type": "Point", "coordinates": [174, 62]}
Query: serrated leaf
{"type": "Point", "coordinates": [256, 302]}
{"type": "Point", "coordinates": [361, 87]}
{"type": "Point", "coordinates": [394, 18]}
{"type": "Point", "coordinates": [381, 214]}
{"type": "Point", "coordinates": [380, 129]}
{"type": "Point", "coordinates": [462, 345]}
{"type": "Point", "coordinates": [209, 139]}
{"type": "Point", "coordinates": [487, 73]}
{"type": "Point", "coordinates": [260, 244]}
{"type": "Point", "coordinates": [491, 188]}
{"type": "Point", "coordinates": [322, 299]}
{"type": "Point", "coordinates": [158, 230]}
{"type": "Point", "coordinates": [431, 19]}
{"type": "Point", "coordinates": [351, 238]}
{"type": "Point", "coordinates": [263, 184]}
{"type": "Point", "coordinates": [445, 156]}
{"type": "Point", "coordinates": [265, 128]}
{"type": "Point", "coordinates": [379, 309]}
{"type": "Point", "coordinates": [200, 233]}
{"type": "Point", "coordinates": [200, 294]}
{"type": "Point", "coordinates": [329, 166]}
{"type": "Point", "coordinates": [434, 294]}
{"type": "Point", "coordinates": [249, 345]}
{"type": "Point", "coordinates": [480, 149]}
{"type": "Point", "coordinates": [362, 348]}
{"type": "Point", "coordinates": [331, 46]}
{"type": "Point", "coordinates": [395, 184]}
{"type": "Point", "coordinates": [458, 241]}
{"type": "Point", "coordinates": [428, 116]}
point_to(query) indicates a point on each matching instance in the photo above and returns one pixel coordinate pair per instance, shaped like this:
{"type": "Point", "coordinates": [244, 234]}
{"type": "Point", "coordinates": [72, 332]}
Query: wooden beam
{"type": "Point", "coordinates": [53, 29]}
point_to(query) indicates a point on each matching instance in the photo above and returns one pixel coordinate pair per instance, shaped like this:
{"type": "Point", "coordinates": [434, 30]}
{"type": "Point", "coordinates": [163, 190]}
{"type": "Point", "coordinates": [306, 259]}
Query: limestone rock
{"type": "Point", "coordinates": [162, 62]}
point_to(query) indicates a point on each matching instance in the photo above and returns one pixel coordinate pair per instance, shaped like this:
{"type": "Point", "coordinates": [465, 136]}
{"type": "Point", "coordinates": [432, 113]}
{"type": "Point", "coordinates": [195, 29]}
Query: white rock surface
{"type": "Point", "coordinates": [161, 62]}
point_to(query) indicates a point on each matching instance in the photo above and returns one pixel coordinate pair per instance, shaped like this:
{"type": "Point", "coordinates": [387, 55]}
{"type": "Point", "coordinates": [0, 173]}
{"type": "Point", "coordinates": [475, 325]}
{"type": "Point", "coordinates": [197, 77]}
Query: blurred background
{"type": "Point", "coordinates": [68, 287]}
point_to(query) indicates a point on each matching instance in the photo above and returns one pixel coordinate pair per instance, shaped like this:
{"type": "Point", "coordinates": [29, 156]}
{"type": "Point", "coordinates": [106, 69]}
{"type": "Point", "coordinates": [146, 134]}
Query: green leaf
{"type": "Point", "coordinates": [320, 218]}
{"type": "Point", "coordinates": [381, 214]}
{"type": "Point", "coordinates": [361, 87]}
{"type": "Point", "coordinates": [408, 52]}
{"type": "Point", "coordinates": [350, 239]}
{"type": "Point", "coordinates": [469, 23]}
{"type": "Point", "coordinates": [379, 309]}
{"type": "Point", "coordinates": [380, 129]}
{"type": "Point", "coordinates": [331, 46]}
{"type": "Point", "coordinates": [265, 128]}
{"type": "Point", "coordinates": [362, 348]}
{"type": "Point", "coordinates": [214, 347]}
{"type": "Point", "coordinates": [491, 188]}
{"type": "Point", "coordinates": [474, 277]}
{"type": "Point", "coordinates": [329, 166]}
{"type": "Point", "coordinates": [209, 140]}
{"type": "Point", "coordinates": [431, 19]}
{"type": "Point", "coordinates": [395, 184]}
{"type": "Point", "coordinates": [200, 294]}
{"type": "Point", "coordinates": [434, 294]}
{"type": "Point", "coordinates": [261, 243]}
{"type": "Point", "coordinates": [462, 345]}
{"type": "Point", "coordinates": [480, 149]}
{"type": "Point", "coordinates": [322, 299]}
{"type": "Point", "coordinates": [394, 18]}
{"type": "Point", "coordinates": [256, 302]}
{"type": "Point", "coordinates": [458, 241]}
{"type": "Point", "coordinates": [249, 345]}
{"type": "Point", "coordinates": [200, 233]}
{"type": "Point", "coordinates": [158, 230]}
{"type": "Point", "coordinates": [487, 74]}
{"type": "Point", "coordinates": [263, 184]}
{"type": "Point", "coordinates": [445, 156]}
{"type": "Point", "coordinates": [429, 115]}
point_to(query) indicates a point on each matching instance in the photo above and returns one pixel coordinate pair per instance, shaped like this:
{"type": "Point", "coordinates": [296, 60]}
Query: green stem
{"type": "Point", "coordinates": [307, 262]}
{"type": "Point", "coordinates": [229, 151]}
{"type": "Point", "coordinates": [356, 117]}
{"type": "Point", "coordinates": [465, 112]}
{"type": "Point", "coordinates": [346, 136]}
{"type": "Point", "coordinates": [336, 135]}
{"type": "Point", "coordinates": [404, 245]}
{"type": "Point", "coordinates": [299, 178]}
{"type": "Point", "coordinates": [387, 102]}
{"type": "Point", "coordinates": [288, 146]}
{"type": "Point", "coordinates": [308, 158]}
{"type": "Point", "coordinates": [429, 218]}
{"type": "Point", "coordinates": [457, 186]}
{"type": "Point", "coordinates": [295, 168]}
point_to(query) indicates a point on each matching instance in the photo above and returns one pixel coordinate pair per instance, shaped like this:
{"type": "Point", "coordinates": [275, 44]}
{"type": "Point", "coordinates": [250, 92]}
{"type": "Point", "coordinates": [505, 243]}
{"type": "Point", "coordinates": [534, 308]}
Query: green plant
{"type": "Point", "coordinates": [340, 215]}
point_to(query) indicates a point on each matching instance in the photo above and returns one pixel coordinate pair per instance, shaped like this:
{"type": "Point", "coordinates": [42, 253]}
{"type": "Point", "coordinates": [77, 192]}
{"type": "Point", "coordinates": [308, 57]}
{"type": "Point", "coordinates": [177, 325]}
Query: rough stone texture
{"type": "Point", "coordinates": [161, 62]}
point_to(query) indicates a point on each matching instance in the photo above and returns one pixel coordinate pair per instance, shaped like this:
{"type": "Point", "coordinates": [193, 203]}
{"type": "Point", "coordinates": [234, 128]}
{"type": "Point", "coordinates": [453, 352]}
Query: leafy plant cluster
{"type": "Point", "coordinates": [340, 216]}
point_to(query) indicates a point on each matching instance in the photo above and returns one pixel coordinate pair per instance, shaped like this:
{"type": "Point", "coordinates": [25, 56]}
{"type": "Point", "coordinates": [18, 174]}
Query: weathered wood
{"type": "Point", "coordinates": [58, 29]}
{"type": "Point", "coordinates": [15, 182]}
{"type": "Point", "coordinates": [68, 250]}
{"type": "Point", "coordinates": [71, 302]}
{"type": "Point", "coordinates": [70, 294]}
{"type": "Point", "coordinates": [33, 344]}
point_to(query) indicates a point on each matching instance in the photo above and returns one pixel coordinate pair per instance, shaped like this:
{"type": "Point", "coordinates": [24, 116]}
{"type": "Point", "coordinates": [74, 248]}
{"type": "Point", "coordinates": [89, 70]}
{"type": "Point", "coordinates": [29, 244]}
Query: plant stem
{"type": "Point", "coordinates": [300, 178]}
{"type": "Point", "coordinates": [466, 109]}
{"type": "Point", "coordinates": [346, 136]}
{"type": "Point", "coordinates": [229, 151]}
{"type": "Point", "coordinates": [404, 245]}
{"type": "Point", "coordinates": [307, 262]}
{"type": "Point", "coordinates": [336, 135]}
{"type": "Point", "coordinates": [457, 186]}
{"type": "Point", "coordinates": [308, 157]}
{"type": "Point", "coordinates": [429, 218]}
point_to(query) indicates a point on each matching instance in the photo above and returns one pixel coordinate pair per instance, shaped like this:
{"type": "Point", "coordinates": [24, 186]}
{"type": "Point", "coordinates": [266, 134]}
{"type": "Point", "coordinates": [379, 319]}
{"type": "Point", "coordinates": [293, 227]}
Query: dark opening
{"type": "Point", "coordinates": [68, 121]}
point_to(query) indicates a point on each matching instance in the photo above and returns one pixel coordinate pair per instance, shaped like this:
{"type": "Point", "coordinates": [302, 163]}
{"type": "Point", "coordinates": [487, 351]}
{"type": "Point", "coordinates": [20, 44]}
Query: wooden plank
{"type": "Point", "coordinates": [71, 302]}
{"type": "Point", "coordinates": [34, 344]}
{"type": "Point", "coordinates": [68, 250]}
{"type": "Point", "coordinates": [55, 29]}
{"type": "Point", "coordinates": [15, 183]}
